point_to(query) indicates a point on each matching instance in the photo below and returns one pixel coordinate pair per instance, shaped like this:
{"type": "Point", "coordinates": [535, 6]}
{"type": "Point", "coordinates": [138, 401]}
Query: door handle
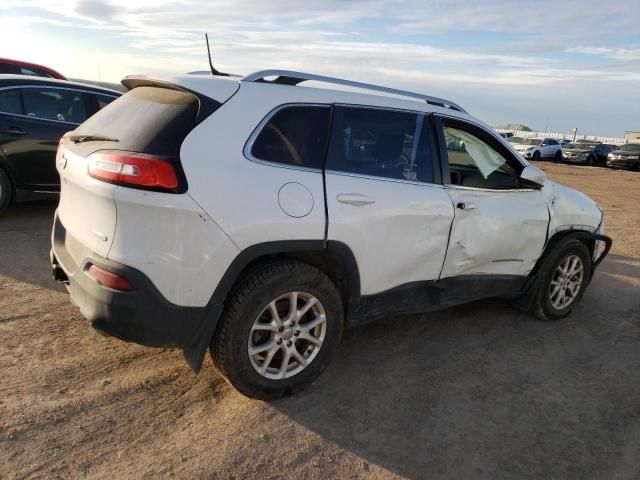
{"type": "Point", "coordinates": [355, 199]}
{"type": "Point", "coordinates": [466, 206]}
{"type": "Point", "coordinates": [13, 131]}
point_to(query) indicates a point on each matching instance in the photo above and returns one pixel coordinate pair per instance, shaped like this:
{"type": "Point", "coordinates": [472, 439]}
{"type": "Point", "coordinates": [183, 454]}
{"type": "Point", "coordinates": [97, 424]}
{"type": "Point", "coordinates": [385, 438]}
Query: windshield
{"type": "Point", "coordinates": [515, 139]}
{"type": "Point", "coordinates": [531, 141]}
{"type": "Point", "coordinates": [630, 147]}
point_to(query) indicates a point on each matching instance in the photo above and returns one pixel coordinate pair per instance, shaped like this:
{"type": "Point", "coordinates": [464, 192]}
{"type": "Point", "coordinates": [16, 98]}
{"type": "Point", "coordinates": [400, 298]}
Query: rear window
{"type": "Point", "coordinates": [151, 120]}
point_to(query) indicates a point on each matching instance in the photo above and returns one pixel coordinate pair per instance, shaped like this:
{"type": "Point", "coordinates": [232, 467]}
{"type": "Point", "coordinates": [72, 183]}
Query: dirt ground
{"type": "Point", "coordinates": [480, 391]}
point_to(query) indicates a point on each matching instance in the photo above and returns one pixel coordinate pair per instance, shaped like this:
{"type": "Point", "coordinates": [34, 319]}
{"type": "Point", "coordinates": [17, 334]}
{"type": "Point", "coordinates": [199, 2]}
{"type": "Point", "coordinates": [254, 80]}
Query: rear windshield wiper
{"type": "Point", "coordinates": [80, 138]}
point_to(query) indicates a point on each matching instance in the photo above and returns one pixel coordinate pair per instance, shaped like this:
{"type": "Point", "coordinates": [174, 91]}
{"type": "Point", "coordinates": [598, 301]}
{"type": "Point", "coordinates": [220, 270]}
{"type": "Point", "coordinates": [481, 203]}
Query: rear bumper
{"type": "Point", "coordinates": [141, 315]}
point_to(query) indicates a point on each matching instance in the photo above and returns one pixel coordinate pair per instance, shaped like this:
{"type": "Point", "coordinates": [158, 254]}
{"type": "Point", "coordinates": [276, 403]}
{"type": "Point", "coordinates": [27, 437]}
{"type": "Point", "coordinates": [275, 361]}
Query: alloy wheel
{"type": "Point", "coordinates": [287, 335]}
{"type": "Point", "coordinates": [566, 282]}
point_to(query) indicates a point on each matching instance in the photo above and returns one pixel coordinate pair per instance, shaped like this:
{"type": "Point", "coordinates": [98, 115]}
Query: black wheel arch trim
{"type": "Point", "coordinates": [525, 301]}
{"type": "Point", "coordinates": [253, 255]}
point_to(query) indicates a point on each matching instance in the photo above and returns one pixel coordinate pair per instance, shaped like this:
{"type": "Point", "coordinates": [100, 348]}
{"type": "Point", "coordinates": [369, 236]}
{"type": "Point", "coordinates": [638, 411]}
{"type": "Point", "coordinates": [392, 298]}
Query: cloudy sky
{"type": "Point", "coordinates": [571, 63]}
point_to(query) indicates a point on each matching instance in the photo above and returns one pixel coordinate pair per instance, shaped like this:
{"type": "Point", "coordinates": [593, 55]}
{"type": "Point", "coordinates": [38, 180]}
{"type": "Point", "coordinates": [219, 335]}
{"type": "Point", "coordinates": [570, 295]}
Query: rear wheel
{"type": "Point", "coordinates": [279, 330]}
{"type": "Point", "coordinates": [562, 281]}
{"type": "Point", "coordinates": [6, 190]}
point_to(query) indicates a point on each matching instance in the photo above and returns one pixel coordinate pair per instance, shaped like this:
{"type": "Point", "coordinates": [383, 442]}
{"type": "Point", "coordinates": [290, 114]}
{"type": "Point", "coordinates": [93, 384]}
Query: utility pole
{"type": "Point", "coordinates": [574, 130]}
{"type": "Point", "coordinates": [546, 125]}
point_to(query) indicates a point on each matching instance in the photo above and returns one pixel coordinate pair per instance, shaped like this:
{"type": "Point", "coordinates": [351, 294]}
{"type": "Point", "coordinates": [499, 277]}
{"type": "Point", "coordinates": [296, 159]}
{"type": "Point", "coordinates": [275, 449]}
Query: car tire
{"type": "Point", "coordinates": [536, 156]}
{"type": "Point", "coordinates": [590, 161]}
{"type": "Point", "coordinates": [243, 328]}
{"type": "Point", "coordinates": [558, 156]}
{"type": "Point", "coordinates": [6, 190]}
{"type": "Point", "coordinates": [549, 302]}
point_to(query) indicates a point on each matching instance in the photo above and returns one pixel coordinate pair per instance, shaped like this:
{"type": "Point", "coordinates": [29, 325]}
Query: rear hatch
{"type": "Point", "coordinates": [125, 144]}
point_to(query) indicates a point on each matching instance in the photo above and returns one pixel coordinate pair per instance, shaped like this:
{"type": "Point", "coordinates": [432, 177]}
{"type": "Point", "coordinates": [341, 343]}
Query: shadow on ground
{"type": "Point", "coordinates": [25, 230]}
{"type": "Point", "coordinates": [482, 391]}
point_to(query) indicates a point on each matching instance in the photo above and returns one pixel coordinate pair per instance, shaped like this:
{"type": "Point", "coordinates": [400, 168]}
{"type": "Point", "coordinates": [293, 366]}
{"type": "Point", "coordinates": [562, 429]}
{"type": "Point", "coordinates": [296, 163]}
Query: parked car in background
{"type": "Point", "coordinates": [506, 135]}
{"type": "Point", "coordinates": [564, 142]}
{"type": "Point", "coordinates": [34, 114]}
{"type": "Point", "coordinates": [258, 218]}
{"type": "Point", "coordinates": [17, 67]}
{"type": "Point", "coordinates": [515, 140]}
{"type": "Point", "coordinates": [540, 148]}
{"type": "Point", "coordinates": [627, 156]}
{"type": "Point", "coordinates": [586, 153]}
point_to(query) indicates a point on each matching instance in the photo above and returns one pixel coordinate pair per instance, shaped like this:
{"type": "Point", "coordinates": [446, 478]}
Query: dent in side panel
{"type": "Point", "coordinates": [504, 233]}
{"type": "Point", "coordinates": [570, 209]}
{"type": "Point", "coordinates": [173, 241]}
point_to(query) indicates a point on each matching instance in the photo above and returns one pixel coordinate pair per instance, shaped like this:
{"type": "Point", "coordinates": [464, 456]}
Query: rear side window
{"type": "Point", "coordinates": [104, 100]}
{"type": "Point", "coordinates": [10, 101]}
{"type": "Point", "coordinates": [55, 104]}
{"type": "Point", "coordinates": [6, 68]}
{"type": "Point", "coordinates": [151, 120]}
{"type": "Point", "coordinates": [381, 143]}
{"type": "Point", "coordinates": [295, 135]}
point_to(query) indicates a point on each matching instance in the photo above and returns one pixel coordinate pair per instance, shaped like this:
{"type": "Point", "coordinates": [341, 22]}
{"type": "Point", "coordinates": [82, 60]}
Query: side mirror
{"type": "Point", "coordinates": [533, 174]}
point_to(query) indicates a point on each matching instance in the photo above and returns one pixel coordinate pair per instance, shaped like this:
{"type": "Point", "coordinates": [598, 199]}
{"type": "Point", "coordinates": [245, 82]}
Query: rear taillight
{"type": "Point", "coordinates": [109, 280]}
{"type": "Point", "coordinates": [133, 169]}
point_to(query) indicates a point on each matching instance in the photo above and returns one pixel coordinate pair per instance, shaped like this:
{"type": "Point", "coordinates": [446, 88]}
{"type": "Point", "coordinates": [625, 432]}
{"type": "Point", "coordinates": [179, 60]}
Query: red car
{"type": "Point", "coordinates": [17, 67]}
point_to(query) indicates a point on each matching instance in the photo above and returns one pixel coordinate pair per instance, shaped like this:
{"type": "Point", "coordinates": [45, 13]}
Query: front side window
{"type": "Point", "coordinates": [295, 135]}
{"type": "Point", "coordinates": [380, 143]}
{"type": "Point", "coordinates": [10, 101]}
{"type": "Point", "coordinates": [473, 162]}
{"type": "Point", "coordinates": [54, 104]}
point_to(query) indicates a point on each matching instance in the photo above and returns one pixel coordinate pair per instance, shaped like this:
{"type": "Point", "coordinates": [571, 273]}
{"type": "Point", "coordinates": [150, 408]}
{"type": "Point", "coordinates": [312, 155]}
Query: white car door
{"type": "Point", "coordinates": [500, 225]}
{"type": "Point", "coordinates": [380, 198]}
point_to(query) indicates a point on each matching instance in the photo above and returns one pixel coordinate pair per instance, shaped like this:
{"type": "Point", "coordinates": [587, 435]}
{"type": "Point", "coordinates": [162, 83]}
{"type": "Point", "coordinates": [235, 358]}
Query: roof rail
{"type": "Point", "coordinates": [288, 77]}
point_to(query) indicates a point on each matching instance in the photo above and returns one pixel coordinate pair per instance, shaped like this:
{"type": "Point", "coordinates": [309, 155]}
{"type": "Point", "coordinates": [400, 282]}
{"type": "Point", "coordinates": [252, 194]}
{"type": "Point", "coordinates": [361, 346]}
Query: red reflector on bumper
{"type": "Point", "coordinates": [109, 280]}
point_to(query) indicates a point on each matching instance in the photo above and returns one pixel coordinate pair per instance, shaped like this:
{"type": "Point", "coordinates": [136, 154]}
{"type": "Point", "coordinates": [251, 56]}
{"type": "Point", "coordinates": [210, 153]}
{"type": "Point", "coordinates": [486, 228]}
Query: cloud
{"type": "Point", "coordinates": [552, 48]}
{"type": "Point", "coordinates": [96, 10]}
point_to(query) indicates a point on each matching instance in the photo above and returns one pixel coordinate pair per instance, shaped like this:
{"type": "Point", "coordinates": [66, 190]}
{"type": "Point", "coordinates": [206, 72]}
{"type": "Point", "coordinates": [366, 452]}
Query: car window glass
{"type": "Point", "coordinates": [54, 104]}
{"type": "Point", "coordinates": [6, 68]}
{"type": "Point", "coordinates": [103, 101]}
{"type": "Point", "coordinates": [381, 143]}
{"type": "Point", "coordinates": [474, 163]}
{"type": "Point", "coordinates": [10, 101]}
{"type": "Point", "coordinates": [295, 135]}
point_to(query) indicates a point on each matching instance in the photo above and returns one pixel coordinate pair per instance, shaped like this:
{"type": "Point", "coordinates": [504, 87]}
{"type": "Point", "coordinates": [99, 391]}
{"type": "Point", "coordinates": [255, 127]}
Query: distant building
{"type": "Point", "coordinates": [515, 127]}
{"type": "Point", "coordinates": [632, 137]}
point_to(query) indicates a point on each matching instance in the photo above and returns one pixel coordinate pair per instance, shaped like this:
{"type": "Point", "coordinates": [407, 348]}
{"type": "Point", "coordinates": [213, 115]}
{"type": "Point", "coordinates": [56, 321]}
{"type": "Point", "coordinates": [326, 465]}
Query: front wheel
{"type": "Point", "coordinates": [536, 156]}
{"type": "Point", "coordinates": [558, 157]}
{"type": "Point", "coordinates": [279, 330]}
{"type": "Point", "coordinates": [562, 281]}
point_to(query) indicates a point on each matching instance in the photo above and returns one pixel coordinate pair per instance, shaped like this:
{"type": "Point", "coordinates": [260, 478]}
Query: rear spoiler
{"type": "Point", "coordinates": [207, 105]}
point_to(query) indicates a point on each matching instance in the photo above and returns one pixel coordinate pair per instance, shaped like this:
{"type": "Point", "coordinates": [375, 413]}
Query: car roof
{"type": "Point", "coordinates": [22, 63]}
{"type": "Point", "coordinates": [22, 80]}
{"type": "Point", "coordinates": [323, 90]}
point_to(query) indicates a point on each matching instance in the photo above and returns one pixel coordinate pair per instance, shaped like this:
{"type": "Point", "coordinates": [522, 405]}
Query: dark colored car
{"type": "Point", "coordinates": [627, 156]}
{"type": "Point", "coordinates": [34, 114]}
{"type": "Point", "coordinates": [17, 67]}
{"type": "Point", "coordinates": [586, 153]}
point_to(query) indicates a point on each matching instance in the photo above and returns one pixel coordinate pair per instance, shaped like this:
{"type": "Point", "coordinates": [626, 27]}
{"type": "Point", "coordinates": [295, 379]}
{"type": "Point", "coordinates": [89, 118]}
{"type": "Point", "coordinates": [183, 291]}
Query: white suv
{"type": "Point", "coordinates": [260, 217]}
{"type": "Point", "coordinates": [540, 148]}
